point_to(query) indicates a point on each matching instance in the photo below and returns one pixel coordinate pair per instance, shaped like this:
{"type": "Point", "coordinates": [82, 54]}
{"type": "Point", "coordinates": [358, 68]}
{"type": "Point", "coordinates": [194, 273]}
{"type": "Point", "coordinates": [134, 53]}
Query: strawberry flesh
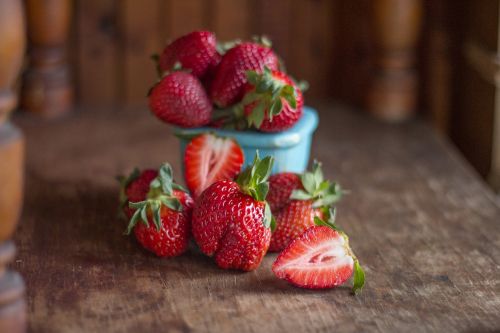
{"type": "Point", "coordinates": [320, 258]}
{"type": "Point", "coordinates": [209, 158]}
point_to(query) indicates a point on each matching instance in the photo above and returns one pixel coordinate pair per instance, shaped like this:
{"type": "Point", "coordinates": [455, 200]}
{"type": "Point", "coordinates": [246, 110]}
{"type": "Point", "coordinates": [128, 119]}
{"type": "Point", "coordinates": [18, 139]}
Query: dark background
{"type": "Point", "coordinates": [326, 42]}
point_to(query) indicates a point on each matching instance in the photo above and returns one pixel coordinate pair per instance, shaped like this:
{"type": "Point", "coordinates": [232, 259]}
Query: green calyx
{"type": "Point", "coordinates": [254, 182]}
{"type": "Point", "coordinates": [316, 188]}
{"type": "Point", "coordinates": [263, 40]}
{"type": "Point", "coordinates": [124, 183]}
{"type": "Point", "coordinates": [268, 96]}
{"type": "Point", "coordinates": [223, 47]}
{"type": "Point", "coordinates": [161, 192]}
{"type": "Point", "coordinates": [329, 221]}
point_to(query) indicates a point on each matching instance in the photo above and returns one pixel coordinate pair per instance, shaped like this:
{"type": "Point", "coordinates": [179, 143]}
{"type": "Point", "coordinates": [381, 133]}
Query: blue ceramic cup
{"type": "Point", "coordinates": [290, 148]}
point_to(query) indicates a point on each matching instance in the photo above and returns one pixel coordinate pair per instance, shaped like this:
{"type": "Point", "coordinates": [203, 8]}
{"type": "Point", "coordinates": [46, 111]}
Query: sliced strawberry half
{"type": "Point", "coordinates": [320, 258]}
{"type": "Point", "coordinates": [209, 158]}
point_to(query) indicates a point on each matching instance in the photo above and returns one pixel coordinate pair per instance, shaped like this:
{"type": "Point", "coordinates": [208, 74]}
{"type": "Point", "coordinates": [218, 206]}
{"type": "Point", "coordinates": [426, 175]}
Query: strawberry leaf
{"type": "Point", "coordinates": [261, 191]}
{"type": "Point", "coordinates": [316, 188]}
{"type": "Point", "coordinates": [124, 183]}
{"type": "Point", "coordinates": [268, 217]}
{"type": "Point", "coordinates": [253, 181]}
{"type": "Point", "coordinates": [273, 222]}
{"type": "Point", "coordinates": [160, 193]}
{"type": "Point", "coordinates": [359, 278]}
{"type": "Point", "coordinates": [300, 195]}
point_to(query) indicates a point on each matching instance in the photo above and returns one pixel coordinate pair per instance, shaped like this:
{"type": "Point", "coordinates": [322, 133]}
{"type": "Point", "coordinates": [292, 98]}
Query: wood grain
{"type": "Point", "coordinates": [141, 38]}
{"type": "Point", "coordinates": [420, 220]}
{"type": "Point", "coordinates": [97, 52]}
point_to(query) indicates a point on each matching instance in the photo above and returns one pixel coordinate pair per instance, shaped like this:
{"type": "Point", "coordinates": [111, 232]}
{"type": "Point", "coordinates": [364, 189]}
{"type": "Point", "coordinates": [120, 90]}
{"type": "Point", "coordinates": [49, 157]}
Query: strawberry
{"type": "Point", "coordinates": [209, 158]}
{"type": "Point", "coordinates": [307, 198]}
{"type": "Point", "coordinates": [272, 101]}
{"type": "Point", "coordinates": [231, 220]}
{"type": "Point", "coordinates": [281, 186]}
{"type": "Point", "coordinates": [180, 99]}
{"type": "Point", "coordinates": [134, 188]}
{"type": "Point", "coordinates": [320, 258]}
{"type": "Point", "coordinates": [161, 221]}
{"type": "Point", "coordinates": [227, 86]}
{"type": "Point", "coordinates": [196, 51]}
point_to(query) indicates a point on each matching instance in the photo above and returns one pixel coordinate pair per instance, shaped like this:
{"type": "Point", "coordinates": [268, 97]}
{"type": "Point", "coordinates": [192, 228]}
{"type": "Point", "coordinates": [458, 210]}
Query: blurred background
{"type": "Point", "coordinates": [436, 60]}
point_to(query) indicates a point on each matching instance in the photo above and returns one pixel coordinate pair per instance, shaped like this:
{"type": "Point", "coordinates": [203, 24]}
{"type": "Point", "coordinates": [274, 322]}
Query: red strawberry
{"type": "Point", "coordinates": [291, 222]}
{"type": "Point", "coordinates": [161, 221]}
{"type": "Point", "coordinates": [272, 102]}
{"type": "Point", "coordinates": [227, 86]}
{"type": "Point", "coordinates": [209, 158]}
{"type": "Point", "coordinates": [281, 186]}
{"type": "Point", "coordinates": [320, 258]}
{"type": "Point", "coordinates": [231, 220]}
{"type": "Point", "coordinates": [180, 99]}
{"type": "Point", "coordinates": [195, 51]}
{"type": "Point", "coordinates": [134, 188]}
{"type": "Point", "coordinates": [306, 199]}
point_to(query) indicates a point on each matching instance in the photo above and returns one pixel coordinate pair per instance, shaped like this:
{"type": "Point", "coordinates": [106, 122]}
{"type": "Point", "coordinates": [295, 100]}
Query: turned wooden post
{"type": "Point", "coordinates": [394, 87]}
{"type": "Point", "coordinates": [12, 46]}
{"type": "Point", "coordinates": [47, 87]}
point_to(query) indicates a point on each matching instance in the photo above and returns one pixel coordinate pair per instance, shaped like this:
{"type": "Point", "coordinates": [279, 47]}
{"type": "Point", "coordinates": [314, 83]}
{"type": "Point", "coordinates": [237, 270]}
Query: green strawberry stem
{"type": "Point", "coordinates": [267, 95]}
{"type": "Point", "coordinates": [358, 273]}
{"type": "Point", "coordinates": [322, 192]}
{"type": "Point", "coordinates": [253, 181]}
{"type": "Point", "coordinates": [160, 193]}
{"type": "Point", "coordinates": [124, 183]}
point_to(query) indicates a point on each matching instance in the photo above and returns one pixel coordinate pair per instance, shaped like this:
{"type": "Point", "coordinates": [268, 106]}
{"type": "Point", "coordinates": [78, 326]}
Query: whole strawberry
{"type": "Point", "coordinates": [272, 101]}
{"type": "Point", "coordinates": [180, 99]}
{"type": "Point", "coordinates": [320, 258]}
{"type": "Point", "coordinates": [195, 51]}
{"type": "Point", "coordinates": [161, 221]}
{"type": "Point", "coordinates": [231, 220]}
{"type": "Point", "coordinates": [281, 186]}
{"type": "Point", "coordinates": [134, 188]}
{"type": "Point", "coordinates": [227, 86]}
{"type": "Point", "coordinates": [307, 198]}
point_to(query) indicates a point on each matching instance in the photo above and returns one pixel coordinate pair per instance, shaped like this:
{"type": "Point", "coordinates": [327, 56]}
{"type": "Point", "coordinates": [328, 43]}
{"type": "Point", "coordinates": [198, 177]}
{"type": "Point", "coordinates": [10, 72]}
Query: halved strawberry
{"type": "Point", "coordinates": [209, 158]}
{"type": "Point", "coordinates": [320, 258]}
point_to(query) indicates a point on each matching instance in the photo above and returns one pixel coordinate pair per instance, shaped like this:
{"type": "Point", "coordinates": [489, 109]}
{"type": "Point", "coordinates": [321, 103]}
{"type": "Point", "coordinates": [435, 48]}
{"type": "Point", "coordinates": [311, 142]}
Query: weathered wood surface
{"type": "Point", "coordinates": [424, 226]}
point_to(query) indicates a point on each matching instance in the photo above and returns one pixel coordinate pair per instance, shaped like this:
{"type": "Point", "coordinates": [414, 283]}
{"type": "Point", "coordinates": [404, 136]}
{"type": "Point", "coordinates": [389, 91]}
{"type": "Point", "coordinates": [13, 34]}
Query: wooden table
{"type": "Point", "coordinates": [423, 224]}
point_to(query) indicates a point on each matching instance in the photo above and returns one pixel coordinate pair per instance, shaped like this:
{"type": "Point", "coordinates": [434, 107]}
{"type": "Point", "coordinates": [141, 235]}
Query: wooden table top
{"type": "Point", "coordinates": [424, 226]}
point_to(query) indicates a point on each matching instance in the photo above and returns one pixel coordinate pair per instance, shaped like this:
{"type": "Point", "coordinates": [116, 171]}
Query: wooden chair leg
{"type": "Point", "coordinates": [394, 88]}
{"type": "Point", "coordinates": [47, 85]}
{"type": "Point", "coordinates": [12, 46]}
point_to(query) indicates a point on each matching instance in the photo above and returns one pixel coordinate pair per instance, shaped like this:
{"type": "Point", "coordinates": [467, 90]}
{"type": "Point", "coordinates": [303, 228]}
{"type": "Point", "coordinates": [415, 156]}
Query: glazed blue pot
{"type": "Point", "coordinates": [290, 148]}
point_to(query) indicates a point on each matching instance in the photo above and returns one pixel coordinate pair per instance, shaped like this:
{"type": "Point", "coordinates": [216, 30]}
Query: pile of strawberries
{"type": "Point", "coordinates": [237, 85]}
{"type": "Point", "coordinates": [236, 216]}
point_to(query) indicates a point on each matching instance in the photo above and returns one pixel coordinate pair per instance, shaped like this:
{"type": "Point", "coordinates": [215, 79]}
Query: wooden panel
{"type": "Point", "coordinates": [230, 19]}
{"type": "Point", "coordinates": [186, 16]}
{"type": "Point", "coordinates": [354, 54]}
{"type": "Point", "coordinates": [311, 37]}
{"type": "Point", "coordinates": [140, 21]}
{"type": "Point", "coordinates": [97, 52]}
{"type": "Point", "coordinates": [474, 98]}
{"type": "Point", "coordinates": [273, 18]}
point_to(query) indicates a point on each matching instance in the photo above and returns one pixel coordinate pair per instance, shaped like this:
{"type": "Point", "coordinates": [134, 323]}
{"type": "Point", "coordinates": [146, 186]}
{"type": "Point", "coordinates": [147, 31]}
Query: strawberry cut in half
{"type": "Point", "coordinates": [320, 258]}
{"type": "Point", "coordinates": [209, 158]}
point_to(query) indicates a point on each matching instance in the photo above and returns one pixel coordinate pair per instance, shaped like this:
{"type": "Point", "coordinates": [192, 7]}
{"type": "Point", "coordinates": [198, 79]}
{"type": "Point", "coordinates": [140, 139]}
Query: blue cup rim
{"type": "Point", "coordinates": [304, 127]}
